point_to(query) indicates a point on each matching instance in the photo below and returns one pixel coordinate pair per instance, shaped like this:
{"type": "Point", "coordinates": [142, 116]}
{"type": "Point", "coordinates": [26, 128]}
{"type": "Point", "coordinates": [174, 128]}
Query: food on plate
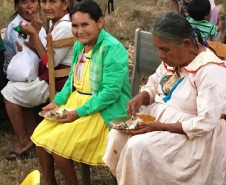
{"type": "Point", "coordinates": [54, 114]}
{"type": "Point", "coordinates": [130, 124]}
{"type": "Point", "coordinates": [145, 117]}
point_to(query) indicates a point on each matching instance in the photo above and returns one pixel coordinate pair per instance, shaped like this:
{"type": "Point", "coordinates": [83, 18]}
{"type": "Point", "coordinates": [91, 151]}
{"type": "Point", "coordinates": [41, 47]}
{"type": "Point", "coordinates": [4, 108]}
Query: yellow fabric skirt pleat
{"type": "Point", "coordinates": [83, 140]}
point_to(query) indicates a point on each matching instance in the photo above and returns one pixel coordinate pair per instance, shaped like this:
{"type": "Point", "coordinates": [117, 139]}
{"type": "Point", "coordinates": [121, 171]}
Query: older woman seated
{"type": "Point", "coordinates": [186, 95]}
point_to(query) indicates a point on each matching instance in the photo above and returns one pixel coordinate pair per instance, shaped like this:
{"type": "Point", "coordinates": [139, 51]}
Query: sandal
{"type": "Point", "coordinates": [14, 155]}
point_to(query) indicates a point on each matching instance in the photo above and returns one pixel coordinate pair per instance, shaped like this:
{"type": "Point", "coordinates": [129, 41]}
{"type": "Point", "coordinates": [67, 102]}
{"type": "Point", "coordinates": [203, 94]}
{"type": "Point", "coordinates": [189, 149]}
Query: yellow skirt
{"type": "Point", "coordinates": [83, 140]}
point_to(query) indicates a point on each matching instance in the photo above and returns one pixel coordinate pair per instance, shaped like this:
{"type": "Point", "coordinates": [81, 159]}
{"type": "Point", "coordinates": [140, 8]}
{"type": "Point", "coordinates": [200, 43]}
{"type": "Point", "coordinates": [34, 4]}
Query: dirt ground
{"type": "Point", "coordinates": [13, 172]}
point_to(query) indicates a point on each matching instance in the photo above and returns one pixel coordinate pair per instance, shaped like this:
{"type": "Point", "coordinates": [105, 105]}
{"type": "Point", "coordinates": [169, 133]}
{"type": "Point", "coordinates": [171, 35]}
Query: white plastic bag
{"type": "Point", "coordinates": [23, 66]}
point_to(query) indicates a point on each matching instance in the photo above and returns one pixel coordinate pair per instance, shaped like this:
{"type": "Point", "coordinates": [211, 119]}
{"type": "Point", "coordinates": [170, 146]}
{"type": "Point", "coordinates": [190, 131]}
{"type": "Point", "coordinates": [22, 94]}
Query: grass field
{"type": "Point", "coordinates": [128, 15]}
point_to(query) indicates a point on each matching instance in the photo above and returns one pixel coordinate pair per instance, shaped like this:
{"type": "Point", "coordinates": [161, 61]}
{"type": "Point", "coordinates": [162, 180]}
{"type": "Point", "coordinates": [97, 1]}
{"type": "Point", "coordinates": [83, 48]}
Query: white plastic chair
{"type": "Point", "coordinates": [146, 58]}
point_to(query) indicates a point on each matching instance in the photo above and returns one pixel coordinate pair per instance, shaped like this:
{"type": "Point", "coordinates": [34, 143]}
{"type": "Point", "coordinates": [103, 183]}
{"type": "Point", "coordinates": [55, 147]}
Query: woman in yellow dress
{"type": "Point", "coordinates": [97, 91]}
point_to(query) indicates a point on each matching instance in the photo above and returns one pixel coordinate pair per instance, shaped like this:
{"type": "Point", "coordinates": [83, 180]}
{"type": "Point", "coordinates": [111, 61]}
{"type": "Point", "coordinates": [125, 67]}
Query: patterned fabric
{"type": "Point", "coordinates": [81, 63]}
{"type": "Point", "coordinates": [169, 83]}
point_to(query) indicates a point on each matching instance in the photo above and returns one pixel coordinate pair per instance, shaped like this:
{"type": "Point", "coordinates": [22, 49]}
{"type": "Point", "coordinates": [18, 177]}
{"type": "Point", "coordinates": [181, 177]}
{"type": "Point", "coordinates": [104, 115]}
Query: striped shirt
{"type": "Point", "coordinates": [207, 29]}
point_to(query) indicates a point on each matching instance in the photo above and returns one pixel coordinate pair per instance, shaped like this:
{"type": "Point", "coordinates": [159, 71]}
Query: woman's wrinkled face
{"type": "Point", "coordinates": [27, 9]}
{"type": "Point", "coordinates": [172, 54]}
{"type": "Point", "coordinates": [54, 9]}
{"type": "Point", "coordinates": [86, 29]}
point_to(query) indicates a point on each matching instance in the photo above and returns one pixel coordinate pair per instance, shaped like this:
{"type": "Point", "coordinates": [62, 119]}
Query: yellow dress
{"type": "Point", "coordinates": [83, 140]}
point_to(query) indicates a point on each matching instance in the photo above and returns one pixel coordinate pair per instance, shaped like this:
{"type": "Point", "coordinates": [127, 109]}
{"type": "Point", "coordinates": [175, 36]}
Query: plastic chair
{"type": "Point", "coordinates": [146, 58]}
{"type": "Point", "coordinates": [32, 178]}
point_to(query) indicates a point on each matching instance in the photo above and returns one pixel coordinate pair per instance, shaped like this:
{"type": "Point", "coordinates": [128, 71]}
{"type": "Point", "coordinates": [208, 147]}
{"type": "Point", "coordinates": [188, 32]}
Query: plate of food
{"type": "Point", "coordinates": [54, 114]}
{"type": "Point", "coordinates": [126, 123]}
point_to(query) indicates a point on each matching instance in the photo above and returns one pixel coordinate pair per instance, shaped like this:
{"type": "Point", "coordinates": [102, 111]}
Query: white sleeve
{"type": "Point", "coordinates": [42, 36]}
{"type": "Point", "coordinates": [153, 82]}
{"type": "Point", "coordinates": [61, 31]}
{"type": "Point", "coordinates": [211, 101]}
{"type": "Point", "coordinates": [10, 45]}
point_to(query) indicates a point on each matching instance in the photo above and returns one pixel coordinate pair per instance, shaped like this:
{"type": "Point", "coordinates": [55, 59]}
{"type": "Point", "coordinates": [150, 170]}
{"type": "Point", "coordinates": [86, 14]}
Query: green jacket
{"type": "Point", "coordinates": [109, 79]}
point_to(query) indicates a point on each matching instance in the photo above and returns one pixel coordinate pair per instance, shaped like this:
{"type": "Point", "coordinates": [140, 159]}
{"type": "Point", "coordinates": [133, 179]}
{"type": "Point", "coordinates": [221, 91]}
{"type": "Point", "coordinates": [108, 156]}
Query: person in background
{"type": "Point", "coordinates": [20, 97]}
{"type": "Point", "coordinates": [24, 11]}
{"type": "Point", "coordinates": [186, 95]}
{"type": "Point", "coordinates": [95, 93]}
{"type": "Point", "coordinates": [199, 13]}
{"type": "Point", "coordinates": [181, 6]}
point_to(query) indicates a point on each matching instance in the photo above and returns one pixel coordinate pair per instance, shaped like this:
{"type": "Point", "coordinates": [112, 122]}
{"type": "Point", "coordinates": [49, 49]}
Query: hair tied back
{"type": "Point", "coordinates": [196, 32]}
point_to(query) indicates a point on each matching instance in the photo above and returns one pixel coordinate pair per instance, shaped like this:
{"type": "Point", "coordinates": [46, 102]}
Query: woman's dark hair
{"type": "Point", "coordinates": [90, 7]}
{"type": "Point", "coordinates": [199, 9]}
{"type": "Point", "coordinates": [174, 27]}
{"type": "Point", "coordinates": [16, 2]}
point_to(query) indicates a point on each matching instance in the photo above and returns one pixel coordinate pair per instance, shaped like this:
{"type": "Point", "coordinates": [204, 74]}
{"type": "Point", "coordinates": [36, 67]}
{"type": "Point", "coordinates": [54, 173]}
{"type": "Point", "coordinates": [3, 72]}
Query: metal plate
{"type": "Point", "coordinates": [53, 115]}
{"type": "Point", "coordinates": [126, 123]}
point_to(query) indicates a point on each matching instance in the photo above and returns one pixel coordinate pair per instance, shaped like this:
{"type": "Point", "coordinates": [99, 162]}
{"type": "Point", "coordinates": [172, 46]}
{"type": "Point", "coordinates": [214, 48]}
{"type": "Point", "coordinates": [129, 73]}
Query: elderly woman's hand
{"type": "Point", "coordinates": [68, 117]}
{"type": "Point", "coordinates": [158, 126]}
{"type": "Point", "coordinates": [134, 105]}
{"type": "Point", "coordinates": [146, 127]}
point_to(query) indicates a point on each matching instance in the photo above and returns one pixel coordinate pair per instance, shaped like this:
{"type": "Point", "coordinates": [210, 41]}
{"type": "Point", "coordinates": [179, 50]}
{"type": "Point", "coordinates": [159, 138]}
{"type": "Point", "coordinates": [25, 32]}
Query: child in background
{"type": "Point", "coordinates": [200, 12]}
{"type": "Point", "coordinates": [181, 6]}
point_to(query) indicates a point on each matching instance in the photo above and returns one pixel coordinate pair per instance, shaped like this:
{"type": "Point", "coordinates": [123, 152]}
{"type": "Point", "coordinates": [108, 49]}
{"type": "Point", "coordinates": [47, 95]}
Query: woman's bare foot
{"type": "Point", "coordinates": [19, 150]}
